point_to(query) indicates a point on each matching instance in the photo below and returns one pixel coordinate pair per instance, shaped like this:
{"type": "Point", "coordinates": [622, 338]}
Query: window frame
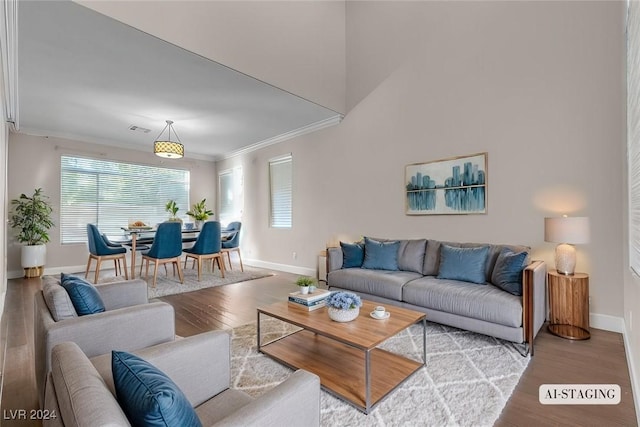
{"type": "Point", "coordinates": [274, 162]}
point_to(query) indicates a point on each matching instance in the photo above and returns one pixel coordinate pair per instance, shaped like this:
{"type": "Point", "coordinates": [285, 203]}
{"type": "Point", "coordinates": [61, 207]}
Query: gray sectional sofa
{"type": "Point", "coordinates": [479, 307]}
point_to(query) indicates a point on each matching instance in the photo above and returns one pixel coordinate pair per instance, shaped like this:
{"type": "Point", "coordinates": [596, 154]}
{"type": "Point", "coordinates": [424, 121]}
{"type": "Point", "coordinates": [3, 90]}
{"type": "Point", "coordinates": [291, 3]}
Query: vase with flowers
{"type": "Point", "coordinates": [343, 306]}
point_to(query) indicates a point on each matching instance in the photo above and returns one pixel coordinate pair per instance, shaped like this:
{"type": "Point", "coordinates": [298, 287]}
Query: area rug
{"type": "Point", "coordinates": [466, 382]}
{"type": "Point", "coordinates": [170, 285]}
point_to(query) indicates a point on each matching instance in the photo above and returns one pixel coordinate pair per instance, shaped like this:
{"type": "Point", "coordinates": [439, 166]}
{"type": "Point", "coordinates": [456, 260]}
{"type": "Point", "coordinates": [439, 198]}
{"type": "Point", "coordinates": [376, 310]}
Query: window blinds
{"type": "Point", "coordinates": [281, 191]}
{"type": "Point", "coordinates": [109, 194]}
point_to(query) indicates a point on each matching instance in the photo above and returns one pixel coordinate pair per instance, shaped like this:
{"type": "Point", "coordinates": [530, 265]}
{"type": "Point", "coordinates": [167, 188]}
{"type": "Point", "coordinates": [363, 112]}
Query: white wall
{"type": "Point", "coordinates": [632, 282]}
{"type": "Point", "coordinates": [34, 162]}
{"type": "Point", "coordinates": [296, 46]}
{"type": "Point", "coordinates": [537, 85]}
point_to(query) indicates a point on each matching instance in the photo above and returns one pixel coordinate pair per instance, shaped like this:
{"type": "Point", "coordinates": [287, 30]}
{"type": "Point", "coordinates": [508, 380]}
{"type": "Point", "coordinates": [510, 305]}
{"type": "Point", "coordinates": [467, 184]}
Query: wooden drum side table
{"type": "Point", "coordinates": [569, 305]}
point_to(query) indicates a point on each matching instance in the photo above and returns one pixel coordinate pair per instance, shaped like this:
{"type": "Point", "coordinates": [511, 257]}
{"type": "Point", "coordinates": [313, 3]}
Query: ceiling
{"type": "Point", "coordinates": [85, 76]}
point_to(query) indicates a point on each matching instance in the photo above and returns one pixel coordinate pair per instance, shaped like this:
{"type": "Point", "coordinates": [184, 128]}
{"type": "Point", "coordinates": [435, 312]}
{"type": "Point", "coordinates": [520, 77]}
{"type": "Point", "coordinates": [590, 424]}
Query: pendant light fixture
{"type": "Point", "coordinates": [166, 147]}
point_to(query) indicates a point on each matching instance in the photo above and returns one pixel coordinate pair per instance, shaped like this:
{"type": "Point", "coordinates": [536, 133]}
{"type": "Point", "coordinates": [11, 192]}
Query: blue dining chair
{"type": "Point", "coordinates": [166, 248]}
{"type": "Point", "coordinates": [232, 243]}
{"type": "Point", "coordinates": [100, 251]}
{"type": "Point", "coordinates": [207, 246]}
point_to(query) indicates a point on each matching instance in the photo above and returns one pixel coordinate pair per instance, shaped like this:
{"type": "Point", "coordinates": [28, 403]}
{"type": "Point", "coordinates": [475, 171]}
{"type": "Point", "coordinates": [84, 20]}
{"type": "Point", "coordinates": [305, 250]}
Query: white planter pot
{"type": "Point", "coordinates": [340, 315]}
{"type": "Point", "coordinates": [304, 290]}
{"type": "Point", "coordinates": [33, 256]}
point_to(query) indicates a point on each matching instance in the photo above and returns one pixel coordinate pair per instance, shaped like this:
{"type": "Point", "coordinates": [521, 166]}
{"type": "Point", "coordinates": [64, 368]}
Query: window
{"type": "Point", "coordinates": [281, 189]}
{"type": "Point", "coordinates": [231, 195]}
{"type": "Point", "coordinates": [109, 194]}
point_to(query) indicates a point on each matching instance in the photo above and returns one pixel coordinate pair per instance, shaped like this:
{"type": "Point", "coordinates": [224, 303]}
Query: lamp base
{"type": "Point", "coordinates": [565, 259]}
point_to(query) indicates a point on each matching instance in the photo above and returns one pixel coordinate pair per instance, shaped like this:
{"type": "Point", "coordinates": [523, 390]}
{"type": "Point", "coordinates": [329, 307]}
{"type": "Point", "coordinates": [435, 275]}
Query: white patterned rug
{"type": "Point", "coordinates": [170, 285]}
{"type": "Point", "coordinates": [467, 381]}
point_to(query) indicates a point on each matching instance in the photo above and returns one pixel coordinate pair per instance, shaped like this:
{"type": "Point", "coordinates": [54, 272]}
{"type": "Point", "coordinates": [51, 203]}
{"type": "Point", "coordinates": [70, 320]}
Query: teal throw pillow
{"type": "Point", "coordinates": [380, 255]}
{"type": "Point", "coordinates": [147, 395]}
{"type": "Point", "coordinates": [84, 296]}
{"type": "Point", "coordinates": [352, 254]}
{"type": "Point", "coordinates": [507, 273]}
{"type": "Point", "coordinates": [465, 264]}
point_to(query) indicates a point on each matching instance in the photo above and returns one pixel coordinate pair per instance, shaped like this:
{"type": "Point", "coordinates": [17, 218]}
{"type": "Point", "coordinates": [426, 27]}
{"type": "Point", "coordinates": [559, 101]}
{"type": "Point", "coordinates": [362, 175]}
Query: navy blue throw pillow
{"type": "Point", "coordinates": [84, 296]}
{"type": "Point", "coordinates": [380, 255]}
{"type": "Point", "coordinates": [507, 273]}
{"type": "Point", "coordinates": [352, 255]}
{"type": "Point", "coordinates": [466, 264]}
{"type": "Point", "coordinates": [147, 395]}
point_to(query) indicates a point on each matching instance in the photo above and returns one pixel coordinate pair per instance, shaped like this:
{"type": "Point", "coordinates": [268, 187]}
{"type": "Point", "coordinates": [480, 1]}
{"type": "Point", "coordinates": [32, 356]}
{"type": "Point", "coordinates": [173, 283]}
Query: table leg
{"type": "Point", "coordinates": [258, 331]}
{"type": "Point", "coordinates": [367, 384]}
{"type": "Point", "coordinates": [134, 236]}
{"type": "Point", "coordinates": [424, 341]}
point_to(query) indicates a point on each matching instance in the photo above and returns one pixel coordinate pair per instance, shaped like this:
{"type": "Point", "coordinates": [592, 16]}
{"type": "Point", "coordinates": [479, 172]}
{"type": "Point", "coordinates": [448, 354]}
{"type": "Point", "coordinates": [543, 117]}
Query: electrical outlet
{"type": "Point", "coordinates": [295, 255]}
{"type": "Point", "coordinates": [589, 300]}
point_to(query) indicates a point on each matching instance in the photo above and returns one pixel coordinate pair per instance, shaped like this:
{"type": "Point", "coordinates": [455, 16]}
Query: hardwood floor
{"type": "Point", "coordinates": [600, 360]}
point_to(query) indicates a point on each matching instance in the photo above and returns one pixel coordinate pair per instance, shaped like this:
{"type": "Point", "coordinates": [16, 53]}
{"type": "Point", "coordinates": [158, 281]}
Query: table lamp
{"type": "Point", "coordinates": [567, 231]}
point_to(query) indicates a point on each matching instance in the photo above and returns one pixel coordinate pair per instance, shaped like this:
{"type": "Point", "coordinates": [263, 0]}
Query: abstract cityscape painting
{"type": "Point", "coordinates": [447, 187]}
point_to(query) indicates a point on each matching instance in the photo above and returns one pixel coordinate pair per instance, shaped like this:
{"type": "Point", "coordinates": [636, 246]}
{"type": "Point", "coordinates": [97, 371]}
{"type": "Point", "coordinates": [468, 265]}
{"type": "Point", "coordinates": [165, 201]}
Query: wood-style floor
{"type": "Point", "coordinates": [600, 360]}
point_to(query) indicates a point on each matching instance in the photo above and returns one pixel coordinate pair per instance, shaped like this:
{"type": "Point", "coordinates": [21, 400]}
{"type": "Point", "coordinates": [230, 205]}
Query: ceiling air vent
{"type": "Point", "coordinates": [139, 129]}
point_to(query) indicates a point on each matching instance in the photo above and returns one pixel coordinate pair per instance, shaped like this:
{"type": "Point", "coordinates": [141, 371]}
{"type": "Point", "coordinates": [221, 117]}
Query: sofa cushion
{"type": "Point", "coordinates": [411, 255]}
{"type": "Point", "coordinates": [384, 283]}
{"type": "Point", "coordinates": [82, 396]}
{"type": "Point", "coordinates": [507, 273]}
{"type": "Point", "coordinates": [84, 296]}
{"type": "Point", "coordinates": [352, 254]}
{"type": "Point", "coordinates": [487, 303]}
{"type": "Point", "coordinates": [380, 255]}
{"type": "Point", "coordinates": [147, 395]}
{"type": "Point", "coordinates": [432, 255]}
{"type": "Point", "coordinates": [58, 301]}
{"type": "Point", "coordinates": [466, 264]}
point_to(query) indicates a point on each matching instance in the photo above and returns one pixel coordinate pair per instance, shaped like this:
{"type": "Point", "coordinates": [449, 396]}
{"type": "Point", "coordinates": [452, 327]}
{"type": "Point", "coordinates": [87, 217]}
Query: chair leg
{"type": "Point", "coordinates": [199, 267]}
{"type": "Point", "coordinates": [229, 257]}
{"type": "Point", "coordinates": [220, 262]}
{"type": "Point", "coordinates": [180, 272]}
{"type": "Point", "coordinates": [124, 262]}
{"type": "Point", "coordinates": [86, 273]}
{"type": "Point", "coordinates": [240, 259]}
{"type": "Point", "coordinates": [155, 271]}
{"type": "Point", "coordinates": [97, 270]}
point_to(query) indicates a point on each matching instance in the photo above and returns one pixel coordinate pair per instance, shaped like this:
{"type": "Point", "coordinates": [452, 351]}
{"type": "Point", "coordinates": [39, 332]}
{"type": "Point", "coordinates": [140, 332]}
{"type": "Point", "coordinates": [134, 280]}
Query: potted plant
{"type": "Point", "coordinates": [305, 282]}
{"type": "Point", "coordinates": [31, 217]}
{"type": "Point", "coordinates": [200, 213]}
{"type": "Point", "coordinates": [172, 208]}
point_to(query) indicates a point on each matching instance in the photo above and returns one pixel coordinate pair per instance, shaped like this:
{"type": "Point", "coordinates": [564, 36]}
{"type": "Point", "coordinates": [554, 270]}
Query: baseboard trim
{"type": "Point", "coordinates": [606, 322]}
{"type": "Point", "coordinates": [635, 381]}
{"type": "Point", "coordinates": [281, 267]}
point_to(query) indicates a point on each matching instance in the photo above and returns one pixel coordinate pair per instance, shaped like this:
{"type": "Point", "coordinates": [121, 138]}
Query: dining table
{"type": "Point", "coordinates": [188, 235]}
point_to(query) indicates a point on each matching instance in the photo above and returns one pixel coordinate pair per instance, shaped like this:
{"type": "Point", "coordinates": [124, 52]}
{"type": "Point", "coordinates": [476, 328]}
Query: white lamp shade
{"type": "Point", "coordinates": [572, 230]}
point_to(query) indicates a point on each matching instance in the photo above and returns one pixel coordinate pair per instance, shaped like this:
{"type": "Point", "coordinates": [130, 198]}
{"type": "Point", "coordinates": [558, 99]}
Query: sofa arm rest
{"type": "Point", "coordinates": [294, 402]}
{"type": "Point", "coordinates": [125, 293]}
{"type": "Point", "coordinates": [534, 300]}
{"type": "Point", "coordinates": [334, 259]}
{"type": "Point", "coordinates": [125, 329]}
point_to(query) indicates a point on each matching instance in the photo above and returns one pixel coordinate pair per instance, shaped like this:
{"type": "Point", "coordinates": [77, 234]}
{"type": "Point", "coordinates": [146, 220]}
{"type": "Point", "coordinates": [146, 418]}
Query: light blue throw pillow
{"type": "Point", "coordinates": [84, 296]}
{"type": "Point", "coordinates": [352, 255]}
{"type": "Point", "coordinates": [147, 395]}
{"type": "Point", "coordinates": [380, 255]}
{"type": "Point", "coordinates": [466, 264]}
{"type": "Point", "coordinates": [507, 273]}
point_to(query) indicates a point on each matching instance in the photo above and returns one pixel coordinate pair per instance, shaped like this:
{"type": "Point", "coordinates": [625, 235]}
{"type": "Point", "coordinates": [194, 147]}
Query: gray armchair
{"type": "Point", "coordinates": [129, 322]}
{"type": "Point", "coordinates": [200, 365]}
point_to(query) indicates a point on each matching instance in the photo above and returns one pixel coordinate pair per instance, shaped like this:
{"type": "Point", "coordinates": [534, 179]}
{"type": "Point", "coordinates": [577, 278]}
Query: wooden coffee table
{"type": "Point", "coordinates": [345, 355]}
